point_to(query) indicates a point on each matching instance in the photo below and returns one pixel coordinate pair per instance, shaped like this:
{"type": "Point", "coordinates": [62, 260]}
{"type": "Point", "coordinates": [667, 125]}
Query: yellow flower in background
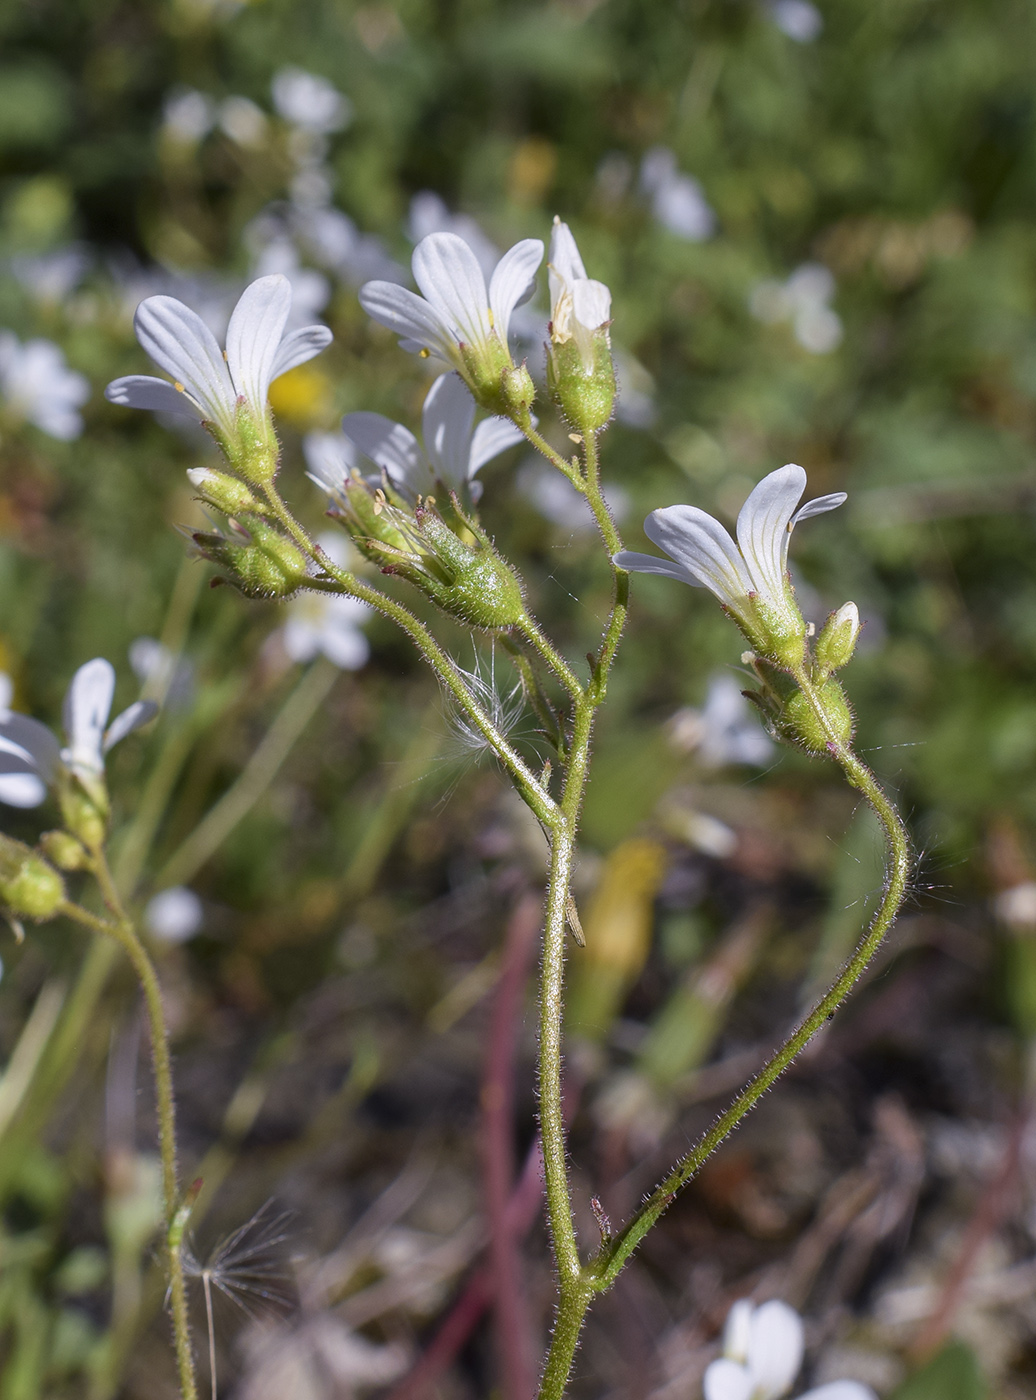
{"type": "Point", "coordinates": [302, 397]}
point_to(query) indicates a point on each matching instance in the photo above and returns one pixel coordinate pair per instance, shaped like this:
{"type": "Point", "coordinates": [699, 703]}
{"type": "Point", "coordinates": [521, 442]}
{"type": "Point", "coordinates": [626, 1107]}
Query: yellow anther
{"type": "Point", "coordinates": [424, 354]}
{"type": "Point", "coordinates": [179, 388]}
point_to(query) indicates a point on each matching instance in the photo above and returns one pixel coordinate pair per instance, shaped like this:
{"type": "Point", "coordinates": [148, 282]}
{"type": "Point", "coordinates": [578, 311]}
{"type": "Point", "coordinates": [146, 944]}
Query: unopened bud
{"type": "Point", "coordinates": [835, 646]}
{"type": "Point", "coordinates": [29, 887]}
{"type": "Point", "coordinates": [801, 724]}
{"type": "Point", "coordinates": [223, 491]}
{"type": "Point", "coordinates": [262, 562]}
{"type": "Point", "coordinates": [517, 393]}
{"type": "Point", "coordinates": [584, 393]}
{"type": "Point", "coordinates": [64, 850]}
{"type": "Point", "coordinates": [84, 808]}
{"type": "Point", "coordinates": [470, 581]}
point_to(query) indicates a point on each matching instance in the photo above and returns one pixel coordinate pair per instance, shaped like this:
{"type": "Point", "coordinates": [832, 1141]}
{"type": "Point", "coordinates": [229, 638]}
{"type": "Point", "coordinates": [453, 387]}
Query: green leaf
{"type": "Point", "coordinates": [952, 1375]}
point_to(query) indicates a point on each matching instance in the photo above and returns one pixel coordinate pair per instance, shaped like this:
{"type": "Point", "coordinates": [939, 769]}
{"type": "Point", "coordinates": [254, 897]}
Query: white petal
{"type": "Point", "coordinates": [840, 1390]}
{"type": "Point", "coordinates": [819, 506]}
{"type": "Point", "coordinates": [512, 280]}
{"type": "Point", "coordinates": [22, 789]}
{"type": "Point", "coordinates": [448, 274]}
{"type": "Point", "coordinates": [701, 544]}
{"type": "Point", "coordinates": [410, 316]}
{"type": "Point", "coordinates": [145, 391]}
{"type": "Point", "coordinates": [636, 563]}
{"type": "Point", "coordinates": [491, 437]}
{"type": "Point", "coordinates": [389, 444]}
{"type": "Point", "coordinates": [298, 347]}
{"type": "Point", "coordinates": [774, 1349]}
{"type": "Point", "coordinates": [330, 458]}
{"type": "Point", "coordinates": [87, 706]}
{"type": "Point", "coordinates": [763, 529]}
{"type": "Point", "coordinates": [174, 915]}
{"type": "Point", "coordinates": [141, 712]}
{"type": "Point", "coordinates": [28, 743]}
{"type": "Point", "coordinates": [563, 259]}
{"type": "Point", "coordinates": [345, 645]}
{"type": "Point", "coordinates": [181, 343]}
{"type": "Point", "coordinates": [254, 336]}
{"type": "Point", "coordinates": [300, 639]}
{"type": "Point", "coordinates": [726, 1380]}
{"type": "Point", "coordinates": [446, 424]}
{"type": "Point", "coordinates": [591, 304]}
{"type": "Point", "coordinates": [725, 697]}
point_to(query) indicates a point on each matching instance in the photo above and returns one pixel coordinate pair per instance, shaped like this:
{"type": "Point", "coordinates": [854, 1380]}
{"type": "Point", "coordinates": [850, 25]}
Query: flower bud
{"type": "Point", "coordinates": [517, 394]}
{"type": "Point", "coordinates": [84, 808]}
{"type": "Point", "coordinates": [63, 850]}
{"type": "Point", "coordinates": [585, 395]}
{"type": "Point", "coordinates": [29, 887]}
{"type": "Point", "coordinates": [470, 581]}
{"type": "Point", "coordinates": [261, 561]}
{"type": "Point", "coordinates": [801, 725]}
{"type": "Point", "coordinates": [223, 491]}
{"type": "Point", "coordinates": [837, 642]}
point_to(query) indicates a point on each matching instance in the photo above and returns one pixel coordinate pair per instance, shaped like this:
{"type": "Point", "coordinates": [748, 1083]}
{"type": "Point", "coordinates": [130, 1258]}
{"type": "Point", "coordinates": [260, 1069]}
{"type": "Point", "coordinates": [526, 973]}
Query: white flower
{"type": "Point", "coordinates": [558, 501]}
{"type": "Point", "coordinates": [29, 749]}
{"type": "Point", "coordinates": [328, 623]}
{"type": "Point", "coordinates": [677, 201]}
{"type": "Point", "coordinates": [51, 277]}
{"type": "Point", "coordinates": [310, 290]}
{"type": "Point", "coordinates": [455, 313]}
{"type": "Point", "coordinates": [803, 299]}
{"type": "Point", "coordinates": [174, 915]}
{"type": "Point", "coordinates": [762, 1354]}
{"type": "Point", "coordinates": [208, 384]}
{"type": "Point", "coordinates": [430, 214]}
{"type": "Point", "coordinates": [454, 449]}
{"type": "Point", "coordinates": [798, 19]}
{"type": "Point", "coordinates": [579, 306]}
{"type": "Point", "coordinates": [311, 102]}
{"type": "Point", "coordinates": [188, 115]}
{"type": "Point", "coordinates": [243, 121]}
{"type": "Point", "coordinates": [725, 730]}
{"type": "Point", "coordinates": [38, 386]}
{"type": "Point", "coordinates": [749, 578]}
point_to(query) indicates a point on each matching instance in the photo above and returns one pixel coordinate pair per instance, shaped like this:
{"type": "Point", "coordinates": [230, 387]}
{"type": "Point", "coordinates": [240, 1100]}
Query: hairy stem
{"type": "Point", "coordinates": [121, 928]}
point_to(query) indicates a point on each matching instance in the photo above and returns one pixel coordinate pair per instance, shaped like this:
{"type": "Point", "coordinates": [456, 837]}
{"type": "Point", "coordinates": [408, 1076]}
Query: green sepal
{"type": "Point", "coordinates": [29, 887]}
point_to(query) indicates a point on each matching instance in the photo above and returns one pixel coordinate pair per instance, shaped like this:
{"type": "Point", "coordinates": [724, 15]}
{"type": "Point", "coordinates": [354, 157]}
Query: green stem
{"type": "Point", "coordinates": [530, 630]}
{"type": "Point", "coordinates": [528, 785]}
{"type": "Point", "coordinates": [611, 1259]}
{"type": "Point", "coordinates": [554, 457]}
{"type": "Point", "coordinates": [121, 929]}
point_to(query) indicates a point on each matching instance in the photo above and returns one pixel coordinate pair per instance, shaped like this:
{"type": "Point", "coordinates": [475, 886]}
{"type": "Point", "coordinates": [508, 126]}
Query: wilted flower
{"type": "Point", "coordinates": [803, 299]}
{"type": "Point", "coordinates": [762, 1354]}
{"type": "Point", "coordinates": [37, 385]}
{"type": "Point", "coordinates": [29, 749]}
{"type": "Point", "coordinates": [228, 392]}
{"type": "Point", "coordinates": [750, 578]}
{"type": "Point", "coordinates": [677, 200]}
{"type": "Point", "coordinates": [173, 915]}
{"type": "Point", "coordinates": [454, 449]}
{"type": "Point", "coordinates": [309, 101]}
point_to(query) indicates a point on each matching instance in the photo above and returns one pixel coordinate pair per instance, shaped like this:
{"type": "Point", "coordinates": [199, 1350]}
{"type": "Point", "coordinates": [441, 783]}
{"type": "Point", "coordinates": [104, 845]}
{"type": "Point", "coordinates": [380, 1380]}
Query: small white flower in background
{"type": "Point", "coordinates": [174, 915]}
{"type": "Point", "coordinates": [29, 749]}
{"type": "Point", "coordinates": [677, 200]}
{"type": "Point", "coordinates": [19, 789]}
{"type": "Point", "coordinates": [241, 120]}
{"type": "Point", "coordinates": [454, 449]}
{"type": "Point", "coordinates": [309, 101]}
{"type": "Point", "coordinates": [798, 19]}
{"type": "Point", "coordinates": [188, 116]}
{"type": "Point", "coordinates": [333, 240]}
{"type": "Point", "coordinates": [762, 1354]}
{"type": "Point", "coordinates": [163, 676]}
{"type": "Point", "coordinates": [725, 730]}
{"type": "Point", "coordinates": [37, 385]}
{"type": "Point", "coordinates": [329, 623]}
{"type": "Point", "coordinates": [558, 501]}
{"type": "Point", "coordinates": [310, 290]}
{"type": "Point", "coordinates": [804, 300]}
{"type": "Point", "coordinates": [430, 214]}
{"type": "Point", "coordinates": [455, 312]}
{"type": "Point", "coordinates": [579, 306]}
{"type": "Point", "coordinates": [208, 384]}
{"type": "Point", "coordinates": [749, 578]}
{"type": "Point", "coordinates": [635, 389]}
{"type": "Point", "coordinates": [51, 277]}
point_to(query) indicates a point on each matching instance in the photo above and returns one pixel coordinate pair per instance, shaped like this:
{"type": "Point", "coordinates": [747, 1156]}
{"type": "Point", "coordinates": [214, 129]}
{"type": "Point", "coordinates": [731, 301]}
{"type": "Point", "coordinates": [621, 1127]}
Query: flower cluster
{"type": "Point", "coordinates": [762, 1355]}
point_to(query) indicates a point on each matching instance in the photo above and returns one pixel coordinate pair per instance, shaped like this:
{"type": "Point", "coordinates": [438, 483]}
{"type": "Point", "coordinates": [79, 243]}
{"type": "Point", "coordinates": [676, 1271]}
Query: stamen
{"type": "Point", "coordinates": [424, 354]}
{"type": "Point", "coordinates": [179, 388]}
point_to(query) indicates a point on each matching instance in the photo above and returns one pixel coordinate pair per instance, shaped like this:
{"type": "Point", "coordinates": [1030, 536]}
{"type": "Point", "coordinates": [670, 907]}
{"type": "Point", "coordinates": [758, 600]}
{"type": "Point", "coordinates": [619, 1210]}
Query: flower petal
{"type": "Point", "coordinates": [563, 260]}
{"type": "Point", "coordinates": [410, 316]}
{"type": "Point", "coordinates": [701, 544]}
{"type": "Point", "coordinates": [448, 274]}
{"type": "Point", "coordinates": [636, 563]}
{"type": "Point", "coordinates": [22, 789]}
{"type": "Point", "coordinates": [145, 391]}
{"type": "Point", "coordinates": [512, 282]}
{"type": "Point", "coordinates": [840, 1390]}
{"type": "Point", "coordinates": [141, 712]}
{"type": "Point", "coordinates": [298, 347]}
{"type": "Point", "coordinates": [87, 706]}
{"type": "Point", "coordinates": [490, 438]}
{"type": "Point", "coordinates": [446, 422]}
{"type": "Point", "coordinates": [24, 741]}
{"type": "Point", "coordinates": [763, 529]}
{"type": "Point", "coordinates": [725, 694]}
{"type": "Point", "coordinates": [726, 1380]}
{"type": "Point", "coordinates": [393, 447]}
{"type": "Point", "coordinates": [330, 458]}
{"type": "Point", "coordinates": [181, 343]}
{"type": "Point", "coordinates": [591, 304]}
{"type": "Point", "coordinates": [301, 640]}
{"type": "Point", "coordinates": [343, 643]}
{"type": "Point", "coordinates": [254, 336]}
{"type": "Point", "coordinates": [774, 1349]}
{"type": "Point", "coordinates": [819, 506]}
